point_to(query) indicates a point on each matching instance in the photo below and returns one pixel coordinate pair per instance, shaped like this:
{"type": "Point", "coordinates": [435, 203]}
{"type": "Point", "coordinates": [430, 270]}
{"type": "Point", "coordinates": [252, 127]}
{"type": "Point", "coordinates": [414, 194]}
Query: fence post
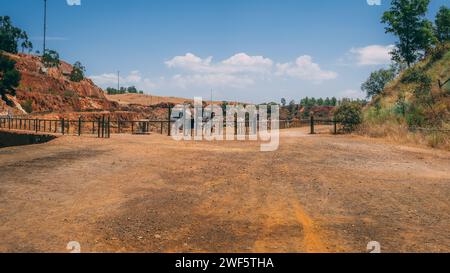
{"type": "Point", "coordinates": [103, 126]}
{"type": "Point", "coordinates": [132, 127]}
{"type": "Point", "coordinates": [98, 127]}
{"type": "Point", "coordinates": [79, 126]}
{"type": "Point", "coordinates": [168, 122]}
{"type": "Point", "coordinates": [9, 123]}
{"type": "Point", "coordinates": [36, 125]}
{"type": "Point", "coordinates": [62, 126]}
{"type": "Point", "coordinates": [109, 127]}
{"type": "Point", "coordinates": [335, 126]}
{"type": "Point", "coordinates": [118, 125]}
{"type": "Point", "coordinates": [312, 125]}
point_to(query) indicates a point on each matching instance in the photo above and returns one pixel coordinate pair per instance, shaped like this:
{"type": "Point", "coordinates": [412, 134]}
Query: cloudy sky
{"type": "Point", "coordinates": [247, 50]}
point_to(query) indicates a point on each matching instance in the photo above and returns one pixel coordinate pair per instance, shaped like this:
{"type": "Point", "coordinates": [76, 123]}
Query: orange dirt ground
{"type": "Point", "coordinates": [318, 193]}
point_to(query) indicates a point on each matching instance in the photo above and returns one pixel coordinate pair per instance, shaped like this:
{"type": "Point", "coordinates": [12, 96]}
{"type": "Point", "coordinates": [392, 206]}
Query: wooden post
{"type": "Point", "coordinates": [169, 129]}
{"type": "Point", "coordinates": [9, 123]}
{"type": "Point", "coordinates": [335, 126]}
{"type": "Point", "coordinates": [62, 126]}
{"type": "Point", "coordinates": [312, 125]}
{"type": "Point", "coordinates": [79, 126]}
{"type": "Point", "coordinates": [109, 127]}
{"type": "Point", "coordinates": [56, 126]}
{"type": "Point", "coordinates": [98, 127]}
{"type": "Point", "coordinates": [162, 127]}
{"type": "Point", "coordinates": [132, 127]}
{"type": "Point", "coordinates": [36, 125]}
{"type": "Point", "coordinates": [68, 126]}
{"type": "Point", "coordinates": [93, 127]}
{"type": "Point", "coordinates": [118, 125]}
{"type": "Point", "coordinates": [103, 126]}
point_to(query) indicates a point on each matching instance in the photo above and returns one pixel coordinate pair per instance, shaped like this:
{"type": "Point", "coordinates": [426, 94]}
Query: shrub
{"type": "Point", "coordinates": [413, 75]}
{"type": "Point", "coordinates": [69, 94]}
{"type": "Point", "coordinates": [50, 58]}
{"type": "Point", "coordinates": [77, 74]}
{"type": "Point", "coordinates": [9, 77]}
{"type": "Point", "coordinates": [350, 115]}
{"type": "Point", "coordinates": [415, 116]}
{"type": "Point", "coordinates": [27, 106]}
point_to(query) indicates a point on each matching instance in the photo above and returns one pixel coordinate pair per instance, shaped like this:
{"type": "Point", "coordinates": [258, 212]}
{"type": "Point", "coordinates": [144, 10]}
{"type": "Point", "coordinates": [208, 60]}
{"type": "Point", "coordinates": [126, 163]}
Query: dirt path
{"type": "Point", "coordinates": [151, 194]}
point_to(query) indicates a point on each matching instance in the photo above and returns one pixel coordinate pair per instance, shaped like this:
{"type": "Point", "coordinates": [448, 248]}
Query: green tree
{"type": "Point", "coordinates": [349, 114]}
{"type": "Point", "coordinates": [11, 36]}
{"type": "Point", "coordinates": [375, 84]}
{"type": "Point", "coordinates": [406, 20]}
{"type": "Point", "coordinates": [333, 101]}
{"type": "Point", "coordinates": [132, 90]}
{"type": "Point", "coordinates": [320, 102]}
{"type": "Point", "coordinates": [50, 58]}
{"type": "Point", "coordinates": [9, 77]}
{"type": "Point", "coordinates": [442, 22]}
{"type": "Point", "coordinates": [77, 74]}
{"type": "Point", "coordinates": [283, 102]}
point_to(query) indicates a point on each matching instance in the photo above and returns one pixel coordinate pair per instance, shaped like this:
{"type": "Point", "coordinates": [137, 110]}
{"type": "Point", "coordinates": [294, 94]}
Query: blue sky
{"type": "Point", "coordinates": [247, 50]}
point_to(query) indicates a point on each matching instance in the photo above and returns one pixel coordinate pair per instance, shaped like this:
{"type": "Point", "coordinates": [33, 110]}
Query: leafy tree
{"type": "Point", "coordinates": [375, 84]}
{"type": "Point", "coordinates": [283, 102]}
{"type": "Point", "coordinates": [349, 114]}
{"type": "Point", "coordinates": [9, 77]}
{"type": "Point", "coordinates": [442, 29]}
{"type": "Point", "coordinates": [406, 20]}
{"type": "Point", "coordinates": [50, 58]}
{"type": "Point", "coordinates": [320, 102]}
{"type": "Point", "coordinates": [292, 108]}
{"type": "Point", "coordinates": [132, 90]}
{"type": "Point", "coordinates": [77, 74]}
{"type": "Point", "coordinates": [333, 101]}
{"type": "Point", "coordinates": [11, 36]}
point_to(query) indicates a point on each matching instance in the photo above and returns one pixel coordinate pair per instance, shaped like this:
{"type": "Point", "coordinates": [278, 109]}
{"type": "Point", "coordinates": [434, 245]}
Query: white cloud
{"type": "Point", "coordinates": [241, 70]}
{"type": "Point", "coordinates": [134, 78]}
{"type": "Point", "coordinates": [238, 63]}
{"type": "Point", "coordinates": [238, 71]}
{"type": "Point", "coordinates": [305, 69]}
{"type": "Point", "coordinates": [372, 54]}
{"type": "Point", "coordinates": [190, 62]}
{"type": "Point", "coordinates": [215, 80]}
{"type": "Point", "coordinates": [352, 94]}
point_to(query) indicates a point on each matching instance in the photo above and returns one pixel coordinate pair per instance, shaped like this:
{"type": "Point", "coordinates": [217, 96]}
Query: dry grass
{"type": "Point", "coordinates": [400, 134]}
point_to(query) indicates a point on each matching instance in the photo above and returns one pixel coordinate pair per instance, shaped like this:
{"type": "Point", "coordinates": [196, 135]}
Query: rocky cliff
{"type": "Point", "coordinates": [51, 90]}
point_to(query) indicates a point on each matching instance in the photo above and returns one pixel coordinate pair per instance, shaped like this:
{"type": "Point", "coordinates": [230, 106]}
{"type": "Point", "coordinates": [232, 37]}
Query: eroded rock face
{"type": "Point", "coordinates": [52, 91]}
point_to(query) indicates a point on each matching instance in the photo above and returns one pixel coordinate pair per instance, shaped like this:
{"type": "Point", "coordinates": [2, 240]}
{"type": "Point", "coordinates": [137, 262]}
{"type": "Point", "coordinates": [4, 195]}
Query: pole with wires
{"type": "Point", "coordinates": [45, 26]}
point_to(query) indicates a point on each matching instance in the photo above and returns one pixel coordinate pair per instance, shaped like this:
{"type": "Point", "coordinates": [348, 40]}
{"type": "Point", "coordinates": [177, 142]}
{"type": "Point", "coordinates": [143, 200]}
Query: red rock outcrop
{"type": "Point", "coordinates": [52, 90]}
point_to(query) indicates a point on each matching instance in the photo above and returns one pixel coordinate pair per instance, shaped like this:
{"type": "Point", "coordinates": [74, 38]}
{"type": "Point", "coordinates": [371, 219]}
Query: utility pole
{"type": "Point", "coordinates": [45, 25]}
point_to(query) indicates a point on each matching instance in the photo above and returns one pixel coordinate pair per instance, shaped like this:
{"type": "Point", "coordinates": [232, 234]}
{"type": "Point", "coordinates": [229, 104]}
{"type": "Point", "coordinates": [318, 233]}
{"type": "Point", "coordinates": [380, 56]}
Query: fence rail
{"type": "Point", "coordinates": [103, 127]}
